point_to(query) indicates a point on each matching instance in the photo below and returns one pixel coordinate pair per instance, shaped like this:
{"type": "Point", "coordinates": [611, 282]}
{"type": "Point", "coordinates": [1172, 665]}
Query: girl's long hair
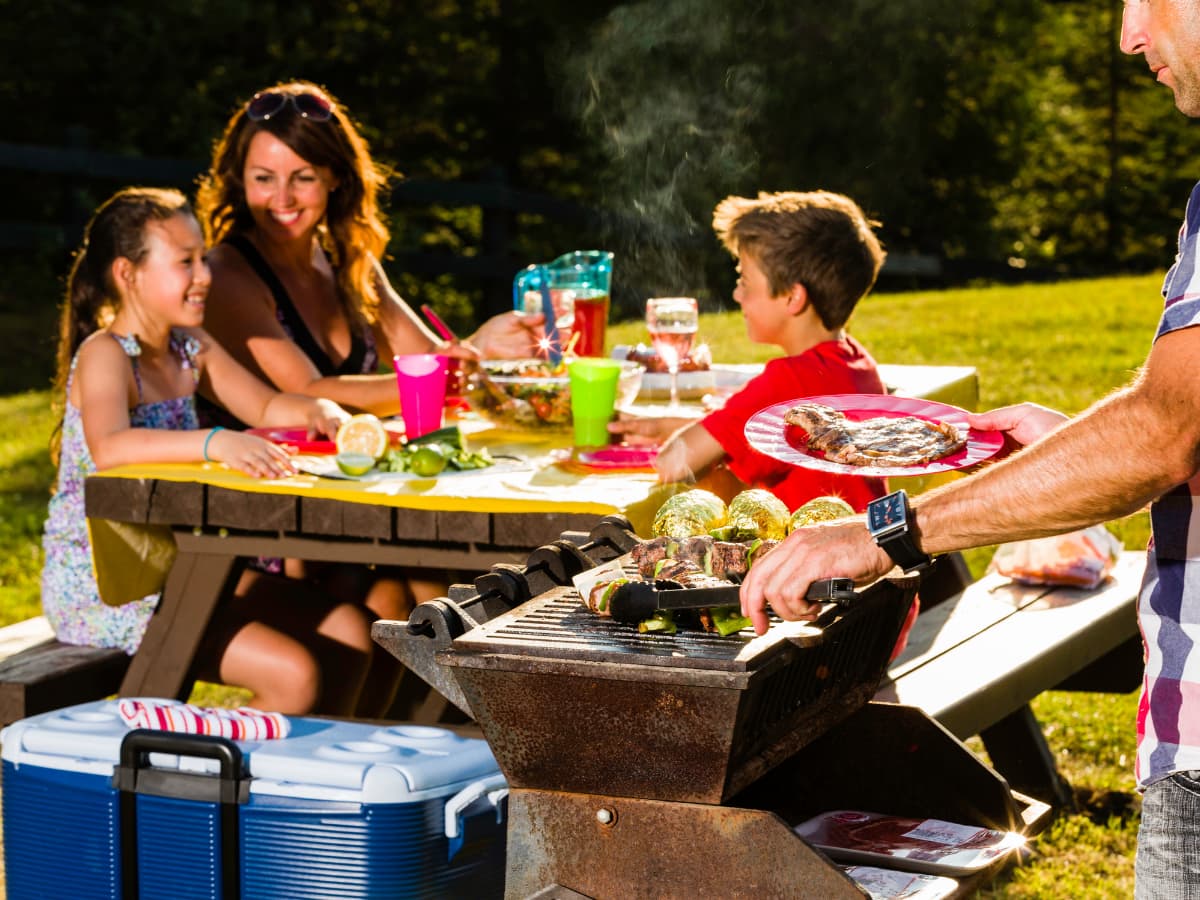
{"type": "Point", "coordinates": [117, 229]}
{"type": "Point", "coordinates": [354, 234]}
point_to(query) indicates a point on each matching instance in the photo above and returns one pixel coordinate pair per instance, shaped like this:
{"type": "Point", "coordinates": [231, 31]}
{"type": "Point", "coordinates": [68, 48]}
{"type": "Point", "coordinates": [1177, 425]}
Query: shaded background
{"type": "Point", "coordinates": [999, 140]}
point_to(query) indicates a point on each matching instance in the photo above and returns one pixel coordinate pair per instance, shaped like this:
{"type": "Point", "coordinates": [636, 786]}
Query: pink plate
{"type": "Point", "coordinates": [768, 433]}
{"type": "Point", "coordinates": [618, 456]}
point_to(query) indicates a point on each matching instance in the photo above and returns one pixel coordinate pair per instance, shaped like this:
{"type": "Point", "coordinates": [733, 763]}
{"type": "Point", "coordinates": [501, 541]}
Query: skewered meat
{"type": "Point", "coordinates": [880, 441]}
{"type": "Point", "coordinates": [719, 558]}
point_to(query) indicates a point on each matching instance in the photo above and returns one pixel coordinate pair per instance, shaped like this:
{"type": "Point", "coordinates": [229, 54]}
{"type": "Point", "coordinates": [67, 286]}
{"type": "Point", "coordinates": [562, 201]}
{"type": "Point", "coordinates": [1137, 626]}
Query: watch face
{"type": "Point", "coordinates": [886, 513]}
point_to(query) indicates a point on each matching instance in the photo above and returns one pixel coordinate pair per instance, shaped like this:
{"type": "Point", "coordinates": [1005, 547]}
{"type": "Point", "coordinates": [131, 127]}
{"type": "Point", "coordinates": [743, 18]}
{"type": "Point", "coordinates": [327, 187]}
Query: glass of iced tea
{"type": "Point", "coordinates": [672, 323]}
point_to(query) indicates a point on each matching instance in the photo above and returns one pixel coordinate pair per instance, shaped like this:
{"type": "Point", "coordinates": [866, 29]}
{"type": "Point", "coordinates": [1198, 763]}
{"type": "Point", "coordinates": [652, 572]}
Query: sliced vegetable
{"type": "Point", "coordinates": [446, 442]}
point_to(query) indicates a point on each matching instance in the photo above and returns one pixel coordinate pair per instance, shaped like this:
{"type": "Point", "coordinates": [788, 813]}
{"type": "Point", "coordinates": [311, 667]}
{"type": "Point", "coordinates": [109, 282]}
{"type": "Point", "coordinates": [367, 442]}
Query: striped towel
{"type": "Point", "coordinates": [242, 724]}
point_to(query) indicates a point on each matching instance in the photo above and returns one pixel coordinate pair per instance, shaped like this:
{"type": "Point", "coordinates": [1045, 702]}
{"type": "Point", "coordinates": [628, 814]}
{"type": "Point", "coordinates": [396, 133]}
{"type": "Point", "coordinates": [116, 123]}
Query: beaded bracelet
{"type": "Point", "coordinates": [209, 438]}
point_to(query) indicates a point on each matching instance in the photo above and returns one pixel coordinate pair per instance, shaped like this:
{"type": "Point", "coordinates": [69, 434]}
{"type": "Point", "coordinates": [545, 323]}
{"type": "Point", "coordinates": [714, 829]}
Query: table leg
{"type": "Point", "coordinates": [162, 667]}
{"type": "Point", "coordinates": [1019, 752]}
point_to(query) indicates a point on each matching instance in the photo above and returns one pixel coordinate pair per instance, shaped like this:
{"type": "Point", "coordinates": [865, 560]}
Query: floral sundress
{"type": "Point", "coordinates": [70, 598]}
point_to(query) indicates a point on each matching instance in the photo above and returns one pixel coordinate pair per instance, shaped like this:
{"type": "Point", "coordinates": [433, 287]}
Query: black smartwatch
{"type": "Point", "coordinates": [889, 519]}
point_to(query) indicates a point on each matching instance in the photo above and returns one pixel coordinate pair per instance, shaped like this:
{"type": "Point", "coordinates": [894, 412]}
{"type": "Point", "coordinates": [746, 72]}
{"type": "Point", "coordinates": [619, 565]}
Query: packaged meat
{"type": "Point", "coordinates": [890, 884]}
{"type": "Point", "coordinates": [929, 846]}
{"type": "Point", "coordinates": [1078, 558]}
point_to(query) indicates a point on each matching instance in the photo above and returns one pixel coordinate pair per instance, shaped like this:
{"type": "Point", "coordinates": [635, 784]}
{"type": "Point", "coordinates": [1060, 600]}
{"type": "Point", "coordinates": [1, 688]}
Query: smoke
{"type": "Point", "coordinates": [671, 99]}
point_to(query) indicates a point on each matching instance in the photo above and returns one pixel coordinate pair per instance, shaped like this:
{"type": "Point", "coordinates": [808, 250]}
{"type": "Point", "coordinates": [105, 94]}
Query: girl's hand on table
{"type": "Point", "coordinates": [249, 454]}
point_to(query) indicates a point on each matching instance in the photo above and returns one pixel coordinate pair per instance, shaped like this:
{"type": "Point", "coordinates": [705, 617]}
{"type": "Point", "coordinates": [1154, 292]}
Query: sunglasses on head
{"type": "Point", "coordinates": [265, 104]}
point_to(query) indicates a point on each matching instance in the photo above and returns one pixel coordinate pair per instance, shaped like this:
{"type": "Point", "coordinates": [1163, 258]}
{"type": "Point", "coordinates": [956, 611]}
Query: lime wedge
{"type": "Point", "coordinates": [355, 463]}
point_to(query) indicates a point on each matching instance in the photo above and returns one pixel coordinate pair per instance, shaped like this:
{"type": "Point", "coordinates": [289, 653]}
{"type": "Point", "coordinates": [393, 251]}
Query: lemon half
{"type": "Point", "coordinates": [363, 433]}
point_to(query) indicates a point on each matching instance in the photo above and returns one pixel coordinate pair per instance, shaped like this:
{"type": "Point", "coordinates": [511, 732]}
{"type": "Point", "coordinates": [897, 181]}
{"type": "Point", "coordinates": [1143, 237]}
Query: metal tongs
{"type": "Point", "coordinates": [636, 601]}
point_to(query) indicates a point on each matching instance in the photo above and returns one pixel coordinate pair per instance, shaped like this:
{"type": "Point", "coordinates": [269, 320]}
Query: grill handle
{"type": "Point", "coordinates": [636, 601]}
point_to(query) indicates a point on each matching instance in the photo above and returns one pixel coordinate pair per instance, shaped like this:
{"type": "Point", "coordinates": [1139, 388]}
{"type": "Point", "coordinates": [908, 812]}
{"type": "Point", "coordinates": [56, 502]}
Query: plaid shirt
{"type": "Point", "coordinates": [1169, 602]}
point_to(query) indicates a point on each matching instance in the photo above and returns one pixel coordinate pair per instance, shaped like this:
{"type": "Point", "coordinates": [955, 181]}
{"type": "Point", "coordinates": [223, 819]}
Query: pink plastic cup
{"type": "Point", "coordinates": [421, 379]}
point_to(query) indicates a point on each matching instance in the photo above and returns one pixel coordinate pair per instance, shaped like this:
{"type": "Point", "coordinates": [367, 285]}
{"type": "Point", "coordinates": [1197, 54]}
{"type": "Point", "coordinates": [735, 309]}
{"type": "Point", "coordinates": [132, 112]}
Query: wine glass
{"type": "Point", "coordinates": [672, 322]}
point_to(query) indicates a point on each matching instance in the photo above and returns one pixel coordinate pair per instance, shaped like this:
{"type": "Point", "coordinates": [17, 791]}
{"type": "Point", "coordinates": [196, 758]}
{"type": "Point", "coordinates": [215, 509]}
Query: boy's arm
{"type": "Point", "coordinates": [688, 453]}
{"type": "Point", "coordinates": [643, 430]}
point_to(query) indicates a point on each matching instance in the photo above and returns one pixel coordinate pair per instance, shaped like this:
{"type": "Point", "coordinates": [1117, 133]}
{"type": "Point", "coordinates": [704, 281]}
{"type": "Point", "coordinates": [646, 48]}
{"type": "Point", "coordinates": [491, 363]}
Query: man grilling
{"type": "Point", "coordinates": [1138, 445]}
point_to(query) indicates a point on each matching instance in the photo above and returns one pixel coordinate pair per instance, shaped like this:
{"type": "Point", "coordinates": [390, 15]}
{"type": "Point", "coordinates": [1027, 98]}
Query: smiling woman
{"type": "Point", "coordinates": [290, 204]}
{"type": "Point", "coordinates": [299, 296]}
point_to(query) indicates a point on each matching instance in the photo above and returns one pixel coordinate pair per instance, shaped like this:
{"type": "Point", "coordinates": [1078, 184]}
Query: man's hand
{"type": "Point", "coordinates": [841, 549]}
{"type": "Point", "coordinates": [1022, 424]}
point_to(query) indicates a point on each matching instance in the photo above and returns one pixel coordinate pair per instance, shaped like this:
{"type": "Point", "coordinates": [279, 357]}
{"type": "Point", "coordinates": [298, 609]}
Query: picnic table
{"type": "Point", "coordinates": [975, 661]}
{"type": "Point", "coordinates": [189, 529]}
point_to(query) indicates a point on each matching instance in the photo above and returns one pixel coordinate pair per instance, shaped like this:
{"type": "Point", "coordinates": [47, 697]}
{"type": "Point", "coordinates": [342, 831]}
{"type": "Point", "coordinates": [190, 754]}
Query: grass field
{"type": "Point", "coordinates": [1064, 345]}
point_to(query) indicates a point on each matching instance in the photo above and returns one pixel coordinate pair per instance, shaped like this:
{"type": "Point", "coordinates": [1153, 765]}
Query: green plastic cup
{"type": "Point", "coordinates": [593, 398]}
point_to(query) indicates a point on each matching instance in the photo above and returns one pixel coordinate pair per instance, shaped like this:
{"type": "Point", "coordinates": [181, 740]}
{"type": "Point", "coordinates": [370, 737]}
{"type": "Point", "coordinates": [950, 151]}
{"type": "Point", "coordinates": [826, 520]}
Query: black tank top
{"type": "Point", "coordinates": [362, 358]}
{"type": "Point", "coordinates": [362, 343]}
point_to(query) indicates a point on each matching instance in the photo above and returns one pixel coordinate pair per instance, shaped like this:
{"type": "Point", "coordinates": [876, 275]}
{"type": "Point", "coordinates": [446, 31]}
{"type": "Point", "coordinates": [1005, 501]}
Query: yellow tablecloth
{"type": "Point", "coordinates": [132, 560]}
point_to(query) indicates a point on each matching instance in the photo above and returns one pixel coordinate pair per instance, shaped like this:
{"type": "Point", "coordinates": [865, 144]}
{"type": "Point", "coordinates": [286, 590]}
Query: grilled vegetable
{"type": "Point", "coordinates": [601, 593]}
{"type": "Point", "coordinates": [819, 509]}
{"type": "Point", "coordinates": [690, 513]}
{"type": "Point", "coordinates": [754, 514]}
{"type": "Point", "coordinates": [729, 620]}
{"type": "Point", "coordinates": [662, 622]}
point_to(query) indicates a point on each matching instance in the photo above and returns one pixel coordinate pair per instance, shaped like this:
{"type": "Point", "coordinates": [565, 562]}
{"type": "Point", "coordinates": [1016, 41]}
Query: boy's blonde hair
{"type": "Point", "coordinates": [818, 239]}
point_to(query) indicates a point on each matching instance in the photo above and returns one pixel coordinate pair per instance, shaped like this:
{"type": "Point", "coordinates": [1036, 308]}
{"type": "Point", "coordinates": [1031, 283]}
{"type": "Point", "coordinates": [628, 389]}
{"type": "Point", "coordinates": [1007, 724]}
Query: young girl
{"type": "Point", "coordinates": [132, 356]}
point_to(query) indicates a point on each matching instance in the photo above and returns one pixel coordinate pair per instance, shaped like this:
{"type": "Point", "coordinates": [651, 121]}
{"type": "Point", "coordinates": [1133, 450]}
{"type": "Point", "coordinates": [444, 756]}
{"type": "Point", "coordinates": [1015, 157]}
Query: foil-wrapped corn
{"type": "Point", "coordinates": [819, 509]}
{"type": "Point", "coordinates": [690, 513]}
{"type": "Point", "coordinates": [755, 514]}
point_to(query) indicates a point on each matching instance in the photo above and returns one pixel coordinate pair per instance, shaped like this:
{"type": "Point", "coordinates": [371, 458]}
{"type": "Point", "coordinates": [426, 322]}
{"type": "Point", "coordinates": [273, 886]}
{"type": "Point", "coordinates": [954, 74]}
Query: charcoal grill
{"type": "Point", "coordinates": [675, 765]}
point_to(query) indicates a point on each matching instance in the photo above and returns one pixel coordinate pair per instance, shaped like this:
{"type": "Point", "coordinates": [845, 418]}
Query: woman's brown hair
{"type": "Point", "coordinates": [354, 234]}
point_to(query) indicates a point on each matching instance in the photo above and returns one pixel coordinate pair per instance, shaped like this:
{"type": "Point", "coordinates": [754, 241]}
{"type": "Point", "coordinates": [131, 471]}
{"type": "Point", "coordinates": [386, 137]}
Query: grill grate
{"type": "Point", "coordinates": [556, 624]}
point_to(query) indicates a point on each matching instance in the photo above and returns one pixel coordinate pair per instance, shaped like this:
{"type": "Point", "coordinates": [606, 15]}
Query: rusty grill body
{"type": "Point", "coordinates": [671, 765]}
{"type": "Point", "coordinates": [561, 693]}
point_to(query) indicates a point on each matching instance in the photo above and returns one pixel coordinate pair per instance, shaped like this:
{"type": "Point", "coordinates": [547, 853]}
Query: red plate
{"type": "Point", "coordinates": [768, 433]}
{"type": "Point", "coordinates": [618, 456]}
{"type": "Point", "coordinates": [297, 438]}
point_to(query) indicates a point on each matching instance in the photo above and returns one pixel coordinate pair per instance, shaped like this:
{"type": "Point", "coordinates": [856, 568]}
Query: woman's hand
{"type": "Point", "coordinates": [509, 336]}
{"type": "Point", "coordinates": [249, 454]}
{"type": "Point", "coordinates": [325, 418]}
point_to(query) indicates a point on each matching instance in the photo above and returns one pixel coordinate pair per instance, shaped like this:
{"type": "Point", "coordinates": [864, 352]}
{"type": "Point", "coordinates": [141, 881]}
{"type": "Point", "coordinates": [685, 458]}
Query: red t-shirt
{"type": "Point", "coordinates": [832, 367]}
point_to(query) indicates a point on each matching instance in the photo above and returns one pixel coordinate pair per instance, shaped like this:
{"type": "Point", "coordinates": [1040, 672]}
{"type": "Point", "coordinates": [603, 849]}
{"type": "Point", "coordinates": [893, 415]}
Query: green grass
{"type": "Point", "coordinates": [1064, 345]}
{"type": "Point", "coordinates": [25, 478]}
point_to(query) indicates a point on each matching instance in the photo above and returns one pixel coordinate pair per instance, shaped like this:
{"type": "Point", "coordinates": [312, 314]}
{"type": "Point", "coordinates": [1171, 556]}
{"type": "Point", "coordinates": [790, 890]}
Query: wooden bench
{"type": "Point", "coordinates": [38, 674]}
{"type": "Point", "coordinates": [976, 660]}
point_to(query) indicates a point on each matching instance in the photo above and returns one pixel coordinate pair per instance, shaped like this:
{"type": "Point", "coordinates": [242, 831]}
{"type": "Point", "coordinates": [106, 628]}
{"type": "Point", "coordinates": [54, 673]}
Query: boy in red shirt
{"type": "Point", "coordinates": [804, 261]}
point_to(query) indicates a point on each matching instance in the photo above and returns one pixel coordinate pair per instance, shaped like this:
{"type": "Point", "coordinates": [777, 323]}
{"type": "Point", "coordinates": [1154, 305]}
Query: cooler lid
{"type": "Point", "coordinates": [320, 758]}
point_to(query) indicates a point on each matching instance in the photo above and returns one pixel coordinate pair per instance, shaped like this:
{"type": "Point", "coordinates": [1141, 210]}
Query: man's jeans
{"type": "Point", "coordinates": [1168, 853]}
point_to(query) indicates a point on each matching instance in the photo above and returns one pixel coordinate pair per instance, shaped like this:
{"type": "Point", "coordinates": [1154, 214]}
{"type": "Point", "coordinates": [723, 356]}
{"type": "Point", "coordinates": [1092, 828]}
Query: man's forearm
{"type": "Point", "coordinates": [1107, 463]}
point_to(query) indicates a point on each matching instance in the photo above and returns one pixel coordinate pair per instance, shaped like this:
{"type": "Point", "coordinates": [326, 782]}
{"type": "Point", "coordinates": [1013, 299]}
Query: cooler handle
{"type": "Point", "coordinates": [494, 789]}
{"type": "Point", "coordinates": [228, 789]}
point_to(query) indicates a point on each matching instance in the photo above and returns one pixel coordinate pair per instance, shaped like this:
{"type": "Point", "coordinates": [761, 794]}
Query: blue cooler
{"type": "Point", "coordinates": [348, 810]}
